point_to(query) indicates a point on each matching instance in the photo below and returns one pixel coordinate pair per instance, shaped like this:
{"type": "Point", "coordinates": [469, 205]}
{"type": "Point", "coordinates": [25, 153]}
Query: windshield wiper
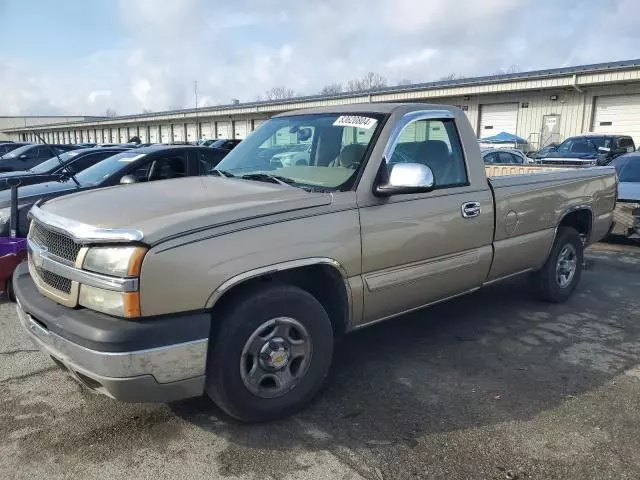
{"type": "Point", "coordinates": [62, 164]}
{"type": "Point", "coordinates": [221, 173]}
{"type": "Point", "coordinates": [262, 177]}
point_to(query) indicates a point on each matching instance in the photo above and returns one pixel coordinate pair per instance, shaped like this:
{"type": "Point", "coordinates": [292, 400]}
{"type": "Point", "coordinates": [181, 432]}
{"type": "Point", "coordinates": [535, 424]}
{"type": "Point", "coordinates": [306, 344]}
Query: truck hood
{"type": "Point", "coordinates": [167, 208]}
{"type": "Point", "coordinates": [571, 155]}
{"type": "Point", "coordinates": [629, 191]}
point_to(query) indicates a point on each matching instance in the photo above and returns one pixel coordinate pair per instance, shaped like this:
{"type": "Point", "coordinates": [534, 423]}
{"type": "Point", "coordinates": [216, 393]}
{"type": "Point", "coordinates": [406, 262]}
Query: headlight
{"type": "Point", "coordinates": [119, 304]}
{"type": "Point", "coordinates": [116, 261]}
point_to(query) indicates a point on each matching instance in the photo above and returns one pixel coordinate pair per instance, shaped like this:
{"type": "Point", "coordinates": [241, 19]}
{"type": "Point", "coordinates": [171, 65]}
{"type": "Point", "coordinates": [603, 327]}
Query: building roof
{"type": "Point", "coordinates": [440, 84]}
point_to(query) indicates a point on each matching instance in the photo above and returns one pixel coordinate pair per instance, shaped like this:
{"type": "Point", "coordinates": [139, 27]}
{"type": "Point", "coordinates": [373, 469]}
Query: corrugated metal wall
{"type": "Point", "coordinates": [574, 108]}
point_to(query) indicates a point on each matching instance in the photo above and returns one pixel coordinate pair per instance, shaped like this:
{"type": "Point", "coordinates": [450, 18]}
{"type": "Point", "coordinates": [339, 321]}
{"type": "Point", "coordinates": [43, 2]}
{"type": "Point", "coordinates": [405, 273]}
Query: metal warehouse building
{"type": "Point", "coordinates": [540, 106]}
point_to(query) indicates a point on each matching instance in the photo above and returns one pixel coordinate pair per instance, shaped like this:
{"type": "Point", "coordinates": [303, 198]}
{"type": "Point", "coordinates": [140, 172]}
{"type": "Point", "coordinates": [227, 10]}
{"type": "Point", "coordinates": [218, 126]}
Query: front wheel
{"type": "Point", "coordinates": [271, 354]}
{"type": "Point", "coordinates": [560, 275]}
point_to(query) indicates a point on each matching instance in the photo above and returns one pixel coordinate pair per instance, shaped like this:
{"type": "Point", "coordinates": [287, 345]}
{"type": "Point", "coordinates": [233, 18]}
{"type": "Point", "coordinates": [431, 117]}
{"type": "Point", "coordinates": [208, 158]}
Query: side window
{"type": "Point", "coordinates": [434, 143]}
{"type": "Point", "coordinates": [208, 160]}
{"type": "Point", "coordinates": [625, 142]}
{"type": "Point", "coordinates": [491, 158]}
{"type": "Point", "coordinates": [41, 153]}
{"type": "Point", "coordinates": [506, 157]}
{"type": "Point", "coordinates": [168, 166]}
{"type": "Point", "coordinates": [142, 171]}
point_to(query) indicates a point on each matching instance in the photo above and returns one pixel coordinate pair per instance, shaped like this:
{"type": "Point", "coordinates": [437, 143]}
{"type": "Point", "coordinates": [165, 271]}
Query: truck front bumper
{"type": "Point", "coordinates": [147, 360]}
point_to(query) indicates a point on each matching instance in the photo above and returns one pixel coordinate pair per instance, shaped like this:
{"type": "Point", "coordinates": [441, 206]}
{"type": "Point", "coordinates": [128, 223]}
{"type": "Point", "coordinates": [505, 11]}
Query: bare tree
{"type": "Point", "coordinates": [146, 110]}
{"type": "Point", "coordinates": [451, 76]}
{"type": "Point", "coordinates": [331, 89]}
{"type": "Point", "coordinates": [369, 81]}
{"type": "Point", "coordinates": [110, 112]}
{"type": "Point", "coordinates": [404, 81]}
{"type": "Point", "coordinates": [511, 69]}
{"type": "Point", "coordinates": [279, 93]}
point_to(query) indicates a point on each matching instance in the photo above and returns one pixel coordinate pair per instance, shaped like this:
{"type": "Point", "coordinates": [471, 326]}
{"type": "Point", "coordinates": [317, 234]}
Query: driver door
{"type": "Point", "coordinates": [421, 248]}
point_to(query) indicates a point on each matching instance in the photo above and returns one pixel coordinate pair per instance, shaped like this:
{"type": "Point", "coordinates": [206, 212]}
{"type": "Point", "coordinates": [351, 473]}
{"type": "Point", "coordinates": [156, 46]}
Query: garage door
{"type": "Point", "coordinates": [619, 114]}
{"type": "Point", "coordinates": [153, 134]}
{"type": "Point", "coordinates": [165, 130]}
{"type": "Point", "coordinates": [178, 132]}
{"type": "Point", "coordinates": [497, 118]}
{"type": "Point", "coordinates": [240, 129]}
{"type": "Point", "coordinates": [143, 134]}
{"type": "Point", "coordinates": [224, 130]}
{"type": "Point", "coordinates": [206, 130]}
{"type": "Point", "coordinates": [192, 136]}
{"type": "Point", "coordinates": [123, 135]}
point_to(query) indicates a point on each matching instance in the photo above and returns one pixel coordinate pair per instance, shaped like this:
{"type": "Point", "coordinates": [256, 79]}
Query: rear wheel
{"type": "Point", "coordinates": [560, 275]}
{"type": "Point", "coordinates": [271, 354]}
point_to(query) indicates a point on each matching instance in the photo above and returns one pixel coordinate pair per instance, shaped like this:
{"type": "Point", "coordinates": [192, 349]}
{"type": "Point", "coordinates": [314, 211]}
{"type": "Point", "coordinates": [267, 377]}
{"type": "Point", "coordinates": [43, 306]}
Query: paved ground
{"type": "Point", "coordinates": [492, 386]}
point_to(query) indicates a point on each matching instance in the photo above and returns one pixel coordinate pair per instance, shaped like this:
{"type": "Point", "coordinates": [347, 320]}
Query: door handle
{"type": "Point", "coordinates": [470, 209]}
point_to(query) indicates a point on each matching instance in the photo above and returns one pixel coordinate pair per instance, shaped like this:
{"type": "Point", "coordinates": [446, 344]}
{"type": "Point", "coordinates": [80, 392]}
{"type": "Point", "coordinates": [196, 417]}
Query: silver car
{"type": "Point", "coordinates": [509, 156]}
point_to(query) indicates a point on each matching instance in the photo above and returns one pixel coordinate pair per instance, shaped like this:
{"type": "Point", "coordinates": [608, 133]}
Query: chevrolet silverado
{"type": "Point", "coordinates": [236, 284]}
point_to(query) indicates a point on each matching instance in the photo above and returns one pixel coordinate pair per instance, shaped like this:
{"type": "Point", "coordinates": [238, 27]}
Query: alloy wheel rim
{"type": "Point", "coordinates": [566, 265]}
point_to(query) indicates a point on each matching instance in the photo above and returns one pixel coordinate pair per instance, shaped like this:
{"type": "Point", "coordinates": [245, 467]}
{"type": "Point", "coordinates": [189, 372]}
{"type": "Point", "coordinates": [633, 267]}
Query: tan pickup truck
{"type": "Point", "coordinates": [323, 221]}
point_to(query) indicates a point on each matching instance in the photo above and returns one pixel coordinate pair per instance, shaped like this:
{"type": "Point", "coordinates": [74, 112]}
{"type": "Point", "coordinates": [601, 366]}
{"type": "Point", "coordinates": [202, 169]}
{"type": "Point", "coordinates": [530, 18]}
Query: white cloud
{"type": "Point", "coordinates": [241, 48]}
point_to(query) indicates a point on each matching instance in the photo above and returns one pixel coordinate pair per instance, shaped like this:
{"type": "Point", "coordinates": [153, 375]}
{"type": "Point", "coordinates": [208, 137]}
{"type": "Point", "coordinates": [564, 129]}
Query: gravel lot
{"type": "Point", "coordinates": [491, 386]}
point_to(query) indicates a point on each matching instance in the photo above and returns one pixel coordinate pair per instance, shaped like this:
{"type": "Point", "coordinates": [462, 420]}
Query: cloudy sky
{"type": "Point", "coordinates": [87, 56]}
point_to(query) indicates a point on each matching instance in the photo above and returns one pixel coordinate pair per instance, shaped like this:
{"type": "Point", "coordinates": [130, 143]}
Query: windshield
{"type": "Point", "coordinates": [583, 144]}
{"type": "Point", "coordinates": [628, 169]}
{"type": "Point", "coordinates": [323, 150]}
{"type": "Point", "coordinates": [18, 151]}
{"type": "Point", "coordinates": [102, 170]}
{"type": "Point", "coordinates": [51, 164]}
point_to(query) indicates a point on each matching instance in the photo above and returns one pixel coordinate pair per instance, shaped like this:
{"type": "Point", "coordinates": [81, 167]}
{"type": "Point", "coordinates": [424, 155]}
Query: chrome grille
{"type": "Point", "coordinates": [55, 243]}
{"type": "Point", "coordinates": [54, 280]}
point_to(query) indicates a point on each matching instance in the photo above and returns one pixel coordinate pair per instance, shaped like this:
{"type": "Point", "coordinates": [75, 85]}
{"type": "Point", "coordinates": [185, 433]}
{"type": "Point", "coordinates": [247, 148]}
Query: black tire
{"type": "Point", "coordinates": [11, 294]}
{"type": "Point", "coordinates": [545, 280]}
{"type": "Point", "coordinates": [239, 320]}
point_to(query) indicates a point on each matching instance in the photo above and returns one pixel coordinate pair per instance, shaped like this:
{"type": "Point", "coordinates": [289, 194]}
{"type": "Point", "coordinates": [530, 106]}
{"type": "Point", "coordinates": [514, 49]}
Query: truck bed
{"type": "Point", "coordinates": [531, 200]}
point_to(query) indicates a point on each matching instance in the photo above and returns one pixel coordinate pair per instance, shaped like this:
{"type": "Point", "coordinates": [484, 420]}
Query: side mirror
{"type": "Point", "coordinates": [24, 156]}
{"type": "Point", "coordinates": [127, 179]}
{"type": "Point", "coordinates": [604, 150]}
{"type": "Point", "coordinates": [407, 178]}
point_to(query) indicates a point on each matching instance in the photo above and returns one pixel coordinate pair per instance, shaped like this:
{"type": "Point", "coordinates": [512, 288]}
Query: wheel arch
{"type": "Point", "coordinates": [580, 218]}
{"type": "Point", "coordinates": [324, 278]}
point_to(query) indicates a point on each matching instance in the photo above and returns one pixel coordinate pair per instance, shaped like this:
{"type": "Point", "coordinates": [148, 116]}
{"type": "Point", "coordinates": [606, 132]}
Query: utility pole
{"type": "Point", "coordinates": [195, 93]}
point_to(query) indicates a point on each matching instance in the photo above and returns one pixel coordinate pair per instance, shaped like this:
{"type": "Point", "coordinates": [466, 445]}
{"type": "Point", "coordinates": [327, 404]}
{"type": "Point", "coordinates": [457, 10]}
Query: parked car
{"type": "Point", "coordinates": [224, 143]}
{"type": "Point", "coordinates": [86, 145]}
{"type": "Point", "coordinates": [29, 156]}
{"type": "Point", "coordinates": [56, 168]}
{"type": "Point", "coordinates": [590, 149]}
{"type": "Point", "coordinates": [244, 278]}
{"type": "Point", "coordinates": [9, 146]}
{"type": "Point", "coordinates": [508, 156]}
{"type": "Point", "coordinates": [129, 166]}
{"type": "Point", "coordinates": [627, 213]}
{"type": "Point", "coordinates": [538, 154]}
{"type": "Point", "coordinates": [121, 145]}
